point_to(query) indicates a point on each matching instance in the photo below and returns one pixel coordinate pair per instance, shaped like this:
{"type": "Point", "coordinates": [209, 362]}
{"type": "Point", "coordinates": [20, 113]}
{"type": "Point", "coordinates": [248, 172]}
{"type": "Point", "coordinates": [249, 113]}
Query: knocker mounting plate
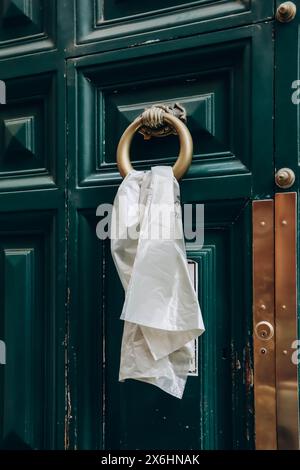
{"type": "Point", "coordinates": [153, 121]}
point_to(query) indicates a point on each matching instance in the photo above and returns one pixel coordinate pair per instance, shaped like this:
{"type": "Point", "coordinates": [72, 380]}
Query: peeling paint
{"type": "Point", "coordinates": [67, 399]}
{"type": "Point", "coordinates": [248, 369]}
{"type": "Point", "coordinates": [150, 41]}
{"type": "Point", "coordinates": [249, 382]}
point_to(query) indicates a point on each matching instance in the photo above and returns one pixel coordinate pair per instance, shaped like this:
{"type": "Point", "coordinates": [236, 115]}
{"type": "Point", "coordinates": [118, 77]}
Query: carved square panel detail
{"type": "Point", "coordinates": [27, 132]}
{"type": "Point", "coordinates": [19, 136]}
{"type": "Point", "coordinates": [17, 10]}
{"type": "Point", "coordinates": [26, 26]}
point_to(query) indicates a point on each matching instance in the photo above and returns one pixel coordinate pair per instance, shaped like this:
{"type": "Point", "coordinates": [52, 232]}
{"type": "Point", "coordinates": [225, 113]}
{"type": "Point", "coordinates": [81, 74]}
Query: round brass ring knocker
{"type": "Point", "coordinates": [186, 146]}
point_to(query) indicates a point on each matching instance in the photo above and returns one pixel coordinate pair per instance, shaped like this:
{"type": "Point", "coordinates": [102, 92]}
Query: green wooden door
{"type": "Point", "coordinates": [212, 59]}
{"type": "Point", "coordinates": [77, 73]}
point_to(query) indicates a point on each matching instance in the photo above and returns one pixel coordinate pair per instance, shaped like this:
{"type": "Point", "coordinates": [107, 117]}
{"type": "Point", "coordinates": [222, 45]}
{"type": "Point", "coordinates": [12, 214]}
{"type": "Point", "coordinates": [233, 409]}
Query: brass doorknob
{"type": "Point", "coordinates": [286, 12]}
{"type": "Point", "coordinates": [285, 178]}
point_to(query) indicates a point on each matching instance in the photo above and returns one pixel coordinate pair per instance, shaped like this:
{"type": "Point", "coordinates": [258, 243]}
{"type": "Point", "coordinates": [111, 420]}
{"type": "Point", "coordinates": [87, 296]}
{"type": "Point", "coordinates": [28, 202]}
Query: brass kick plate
{"type": "Point", "coordinates": [275, 322]}
{"type": "Point", "coordinates": [263, 324]}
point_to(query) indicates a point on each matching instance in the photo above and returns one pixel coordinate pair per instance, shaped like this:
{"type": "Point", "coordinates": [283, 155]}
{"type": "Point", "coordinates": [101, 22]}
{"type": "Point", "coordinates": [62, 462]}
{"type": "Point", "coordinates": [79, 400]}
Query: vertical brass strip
{"type": "Point", "coordinates": [263, 318]}
{"type": "Point", "coordinates": [286, 320]}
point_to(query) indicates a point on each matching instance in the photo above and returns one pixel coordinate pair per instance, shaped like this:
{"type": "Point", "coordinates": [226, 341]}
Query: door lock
{"type": "Point", "coordinates": [285, 178]}
{"type": "Point", "coordinates": [264, 330]}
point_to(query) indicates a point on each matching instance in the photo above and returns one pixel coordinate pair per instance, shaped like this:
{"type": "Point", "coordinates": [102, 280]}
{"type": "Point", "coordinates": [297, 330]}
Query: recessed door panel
{"type": "Point", "coordinates": [108, 24]}
{"type": "Point", "coordinates": [217, 84]}
{"type": "Point", "coordinates": [26, 26]}
{"type": "Point", "coordinates": [29, 327]}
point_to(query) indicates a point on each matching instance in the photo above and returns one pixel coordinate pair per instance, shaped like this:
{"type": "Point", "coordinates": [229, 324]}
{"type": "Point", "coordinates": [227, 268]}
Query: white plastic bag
{"type": "Point", "coordinates": [161, 313]}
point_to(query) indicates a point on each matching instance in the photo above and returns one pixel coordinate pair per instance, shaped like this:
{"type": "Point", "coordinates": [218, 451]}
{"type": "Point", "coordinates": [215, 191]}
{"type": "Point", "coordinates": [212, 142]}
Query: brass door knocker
{"type": "Point", "coordinates": [159, 121]}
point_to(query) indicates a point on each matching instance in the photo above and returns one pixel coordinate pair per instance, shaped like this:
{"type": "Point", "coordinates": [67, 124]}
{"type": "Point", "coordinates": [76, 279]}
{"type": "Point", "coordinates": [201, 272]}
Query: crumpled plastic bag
{"type": "Point", "coordinates": [161, 312]}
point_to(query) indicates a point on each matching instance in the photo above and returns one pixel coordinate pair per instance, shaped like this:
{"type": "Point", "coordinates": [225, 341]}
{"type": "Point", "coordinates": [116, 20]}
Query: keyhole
{"type": "Point", "coordinates": [264, 330]}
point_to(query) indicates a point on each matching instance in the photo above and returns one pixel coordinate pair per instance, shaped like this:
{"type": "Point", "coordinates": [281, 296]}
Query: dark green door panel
{"type": "Point", "coordinates": [117, 10]}
{"type": "Point", "coordinates": [27, 129]}
{"type": "Point", "coordinates": [35, 26]}
{"type": "Point", "coordinates": [26, 26]}
{"type": "Point", "coordinates": [22, 386]}
{"type": "Point", "coordinates": [287, 96]}
{"type": "Point", "coordinates": [32, 124]}
{"type": "Point", "coordinates": [217, 410]}
{"type": "Point", "coordinates": [106, 25]}
{"type": "Point", "coordinates": [32, 326]}
{"type": "Point", "coordinates": [139, 416]}
{"type": "Point", "coordinates": [221, 79]}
